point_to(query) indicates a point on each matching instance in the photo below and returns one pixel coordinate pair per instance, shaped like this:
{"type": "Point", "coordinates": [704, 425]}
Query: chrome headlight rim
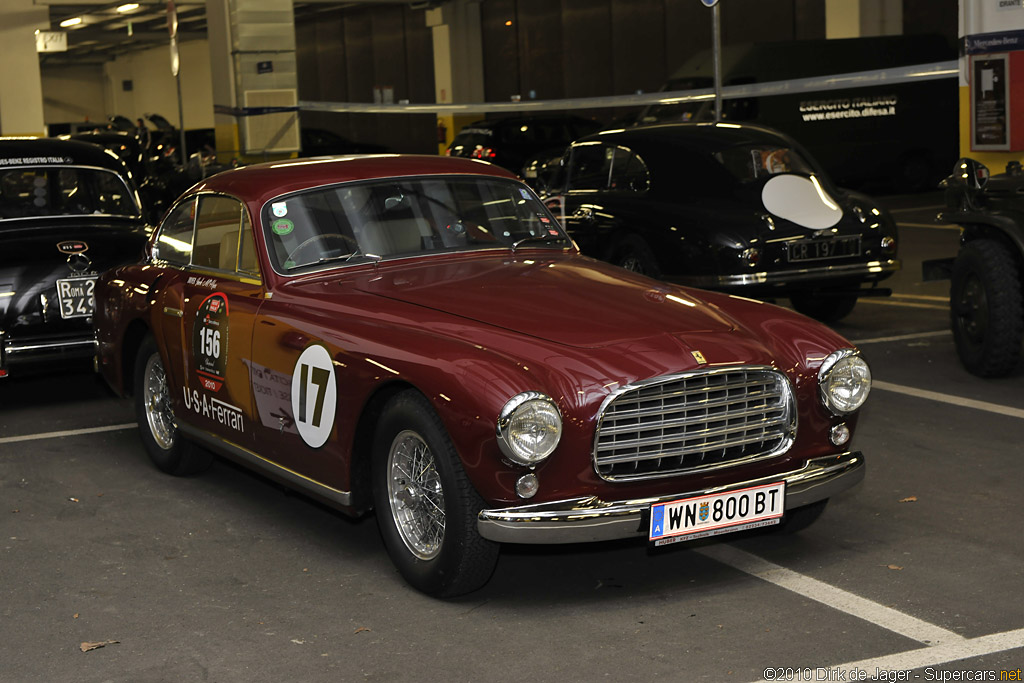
{"type": "Point", "coordinates": [825, 374]}
{"type": "Point", "coordinates": [509, 411]}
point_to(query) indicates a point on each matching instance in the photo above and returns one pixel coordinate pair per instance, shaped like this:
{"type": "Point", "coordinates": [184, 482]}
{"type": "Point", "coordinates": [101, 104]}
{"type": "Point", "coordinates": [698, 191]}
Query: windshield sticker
{"type": "Point", "coordinates": [272, 390]}
{"type": "Point", "coordinates": [210, 341]}
{"type": "Point", "coordinates": [213, 409]}
{"type": "Point", "coordinates": [314, 395]}
{"type": "Point", "coordinates": [282, 227]}
{"type": "Point", "coordinates": [33, 161]}
{"type": "Point", "coordinates": [280, 209]}
{"type": "Point", "coordinates": [525, 193]}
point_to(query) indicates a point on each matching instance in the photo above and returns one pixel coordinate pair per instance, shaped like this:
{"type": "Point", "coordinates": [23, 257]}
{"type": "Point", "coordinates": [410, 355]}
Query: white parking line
{"type": "Point", "coordinates": [69, 432]}
{"type": "Point", "coordinates": [903, 337]}
{"type": "Point", "coordinates": [908, 209]}
{"type": "Point", "coordinates": [906, 304]}
{"type": "Point", "coordinates": [836, 598]}
{"type": "Point", "coordinates": [935, 226]}
{"type": "Point", "coordinates": [951, 400]}
{"type": "Point", "coordinates": [938, 655]}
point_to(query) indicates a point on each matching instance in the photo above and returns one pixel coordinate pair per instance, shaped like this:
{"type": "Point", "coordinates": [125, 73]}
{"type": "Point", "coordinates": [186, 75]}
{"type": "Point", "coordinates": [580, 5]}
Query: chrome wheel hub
{"type": "Point", "coordinates": [416, 495]}
{"type": "Point", "coordinates": [156, 400]}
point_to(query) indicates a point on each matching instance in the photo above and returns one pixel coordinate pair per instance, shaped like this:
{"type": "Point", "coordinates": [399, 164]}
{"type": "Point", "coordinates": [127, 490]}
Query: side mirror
{"type": "Point", "coordinates": [971, 173]}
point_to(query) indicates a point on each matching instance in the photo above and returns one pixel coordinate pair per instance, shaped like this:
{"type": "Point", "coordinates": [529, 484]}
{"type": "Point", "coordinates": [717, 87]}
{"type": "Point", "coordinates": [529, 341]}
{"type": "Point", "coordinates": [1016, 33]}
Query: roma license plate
{"type": "Point", "coordinates": [688, 519]}
{"type": "Point", "coordinates": [75, 296]}
{"type": "Point", "coordinates": [816, 250]}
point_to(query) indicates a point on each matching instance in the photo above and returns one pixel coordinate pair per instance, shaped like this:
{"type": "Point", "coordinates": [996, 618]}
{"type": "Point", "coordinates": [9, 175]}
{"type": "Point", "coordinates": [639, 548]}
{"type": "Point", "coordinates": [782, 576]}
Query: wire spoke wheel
{"type": "Point", "coordinates": [416, 495]}
{"type": "Point", "coordinates": [157, 402]}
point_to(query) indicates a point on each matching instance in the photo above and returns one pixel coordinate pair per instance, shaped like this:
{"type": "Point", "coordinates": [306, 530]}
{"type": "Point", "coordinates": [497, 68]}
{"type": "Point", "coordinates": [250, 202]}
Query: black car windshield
{"type": "Point", "coordinates": [750, 163]}
{"type": "Point", "coordinates": [45, 191]}
{"type": "Point", "coordinates": [398, 218]}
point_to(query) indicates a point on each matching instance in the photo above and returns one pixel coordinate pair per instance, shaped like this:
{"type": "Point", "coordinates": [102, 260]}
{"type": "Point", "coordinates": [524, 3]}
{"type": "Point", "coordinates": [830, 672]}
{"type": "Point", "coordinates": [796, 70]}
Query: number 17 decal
{"type": "Point", "coordinates": [314, 395]}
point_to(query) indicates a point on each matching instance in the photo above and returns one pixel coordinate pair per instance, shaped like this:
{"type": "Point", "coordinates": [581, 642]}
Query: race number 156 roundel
{"type": "Point", "coordinates": [314, 395]}
{"type": "Point", "coordinates": [210, 341]}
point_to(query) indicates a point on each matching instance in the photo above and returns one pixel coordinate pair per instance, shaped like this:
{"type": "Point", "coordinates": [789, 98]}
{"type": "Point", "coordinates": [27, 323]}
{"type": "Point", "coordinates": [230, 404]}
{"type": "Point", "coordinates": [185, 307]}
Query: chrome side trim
{"type": "Point", "coordinates": [175, 312]}
{"type": "Point", "coordinates": [14, 348]}
{"type": "Point", "coordinates": [582, 520]}
{"type": "Point", "coordinates": [270, 468]}
{"type": "Point", "coordinates": [791, 275]}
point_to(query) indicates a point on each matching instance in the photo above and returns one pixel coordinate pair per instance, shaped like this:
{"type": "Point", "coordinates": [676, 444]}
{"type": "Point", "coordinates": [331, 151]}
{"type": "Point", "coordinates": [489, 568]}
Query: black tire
{"type": "Point", "coordinates": [986, 313]}
{"type": "Point", "coordinates": [167, 448]}
{"type": "Point", "coordinates": [428, 525]}
{"type": "Point", "coordinates": [633, 254]}
{"type": "Point", "coordinates": [823, 306]}
{"type": "Point", "coordinates": [800, 518]}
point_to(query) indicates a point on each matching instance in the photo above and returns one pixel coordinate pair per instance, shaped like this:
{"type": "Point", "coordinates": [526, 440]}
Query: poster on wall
{"type": "Point", "coordinates": [990, 122]}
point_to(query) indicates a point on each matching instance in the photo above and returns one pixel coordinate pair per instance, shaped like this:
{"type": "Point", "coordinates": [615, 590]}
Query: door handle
{"type": "Point", "coordinates": [584, 213]}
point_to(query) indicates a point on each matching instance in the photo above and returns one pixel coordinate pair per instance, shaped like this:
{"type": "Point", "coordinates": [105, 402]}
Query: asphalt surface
{"type": "Point", "coordinates": [918, 574]}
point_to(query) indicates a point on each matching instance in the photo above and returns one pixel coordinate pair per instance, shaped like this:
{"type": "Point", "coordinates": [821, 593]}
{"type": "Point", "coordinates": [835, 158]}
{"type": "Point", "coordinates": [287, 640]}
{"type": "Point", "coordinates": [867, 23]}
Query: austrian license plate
{"type": "Point", "coordinates": [75, 296]}
{"type": "Point", "coordinates": [816, 250]}
{"type": "Point", "coordinates": [688, 519]}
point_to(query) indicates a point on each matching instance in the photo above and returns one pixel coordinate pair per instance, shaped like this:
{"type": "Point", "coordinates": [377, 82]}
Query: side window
{"type": "Point", "coordinates": [174, 243]}
{"type": "Point", "coordinates": [589, 167]}
{"type": "Point", "coordinates": [629, 172]}
{"type": "Point", "coordinates": [218, 233]}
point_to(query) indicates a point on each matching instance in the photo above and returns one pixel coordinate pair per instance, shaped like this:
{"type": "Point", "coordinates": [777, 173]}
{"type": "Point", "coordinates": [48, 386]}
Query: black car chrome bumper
{"type": "Point", "coordinates": [867, 272]}
{"type": "Point", "coordinates": [582, 520]}
{"type": "Point", "coordinates": [21, 352]}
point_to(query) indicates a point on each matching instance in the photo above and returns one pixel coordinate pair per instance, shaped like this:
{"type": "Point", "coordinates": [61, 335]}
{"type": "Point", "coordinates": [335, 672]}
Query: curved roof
{"type": "Point", "coordinates": [55, 152]}
{"type": "Point", "coordinates": [699, 137]}
{"type": "Point", "coordinates": [261, 182]}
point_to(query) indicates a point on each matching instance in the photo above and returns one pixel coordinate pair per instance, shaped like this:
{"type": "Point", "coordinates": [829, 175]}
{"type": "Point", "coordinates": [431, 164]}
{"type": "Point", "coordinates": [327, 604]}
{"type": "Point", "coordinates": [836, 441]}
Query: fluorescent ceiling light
{"type": "Point", "coordinates": [73, 21]}
{"type": "Point", "coordinates": [129, 7]}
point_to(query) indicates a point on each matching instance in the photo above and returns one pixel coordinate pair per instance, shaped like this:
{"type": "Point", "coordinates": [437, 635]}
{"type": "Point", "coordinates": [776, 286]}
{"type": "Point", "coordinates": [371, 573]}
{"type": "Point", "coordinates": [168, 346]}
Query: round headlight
{"type": "Point", "coordinates": [844, 381]}
{"type": "Point", "coordinates": [529, 428]}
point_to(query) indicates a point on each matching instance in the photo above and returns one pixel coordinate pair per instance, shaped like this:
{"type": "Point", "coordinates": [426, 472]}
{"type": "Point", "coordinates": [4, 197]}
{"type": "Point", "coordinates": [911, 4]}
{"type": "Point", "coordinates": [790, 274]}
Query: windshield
{"type": "Point", "coordinates": [749, 163]}
{"type": "Point", "coordinates": [398, 218]}
{"type": "Point", "coordinates": [34, 192]}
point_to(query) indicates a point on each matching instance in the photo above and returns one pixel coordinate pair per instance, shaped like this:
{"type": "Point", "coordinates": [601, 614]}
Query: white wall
{"type": "Point", "coordinates": [154, 89]}
{"type": "Point", "coordinates": [73, 94]}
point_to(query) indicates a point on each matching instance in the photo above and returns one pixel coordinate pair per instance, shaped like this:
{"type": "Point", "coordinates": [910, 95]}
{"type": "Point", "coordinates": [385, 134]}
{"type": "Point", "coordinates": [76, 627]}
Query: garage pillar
{"type": "Point", "coordinates": [863, 18]}
{"type": "Point", "coordinates": [458, 63]}
{"type": "Point", "coordinates": [21, 88]}
{"type": "Point", "coordinates": [255, 86]}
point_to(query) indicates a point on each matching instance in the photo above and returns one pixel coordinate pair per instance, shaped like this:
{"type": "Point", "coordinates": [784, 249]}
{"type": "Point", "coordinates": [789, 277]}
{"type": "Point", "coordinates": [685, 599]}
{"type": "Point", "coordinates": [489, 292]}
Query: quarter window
{"type": "Point", "coordinates": [174, 243]}
{"type": "Point", "coordinates": [605, 167]}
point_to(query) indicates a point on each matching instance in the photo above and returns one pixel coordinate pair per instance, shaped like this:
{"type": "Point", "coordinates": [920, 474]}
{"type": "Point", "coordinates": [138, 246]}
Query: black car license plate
{"type": "Point", "coordinates": [816, 250]}
{"type": "Point", "coordinates": [75, 296]}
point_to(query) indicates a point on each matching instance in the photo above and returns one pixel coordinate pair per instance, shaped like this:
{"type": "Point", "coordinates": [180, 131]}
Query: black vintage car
{"type": "Point", "coordinates": [986, 293]}
{"type": "Point", "coordinates": [730, 207]}
{"type": "Point", "coordinates": [68, 212]}
{"type": "Point", "coordinates": [513, 143]}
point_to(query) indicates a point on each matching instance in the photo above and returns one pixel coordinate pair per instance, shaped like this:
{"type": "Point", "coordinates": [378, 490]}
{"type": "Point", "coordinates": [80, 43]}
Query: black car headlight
{"type": "Point", "coordinates": [529, 428]}
{"type": "Point", "coordinates": [844, 381]}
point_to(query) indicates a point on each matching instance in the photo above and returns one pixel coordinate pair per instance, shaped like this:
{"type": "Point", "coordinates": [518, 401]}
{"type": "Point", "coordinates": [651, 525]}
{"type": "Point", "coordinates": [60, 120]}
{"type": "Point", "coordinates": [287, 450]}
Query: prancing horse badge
{"type": "Point", "coordinates": [699, 357]}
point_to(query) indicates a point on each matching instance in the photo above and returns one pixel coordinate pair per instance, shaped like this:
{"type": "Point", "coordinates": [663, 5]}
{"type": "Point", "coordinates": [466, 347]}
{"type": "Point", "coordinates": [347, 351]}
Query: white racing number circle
{"type": "Point", "coordinates": [314, 395]}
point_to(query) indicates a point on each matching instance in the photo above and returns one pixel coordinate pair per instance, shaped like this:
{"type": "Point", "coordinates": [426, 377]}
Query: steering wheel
{"type": "Point", "coordinates": [349, 242]}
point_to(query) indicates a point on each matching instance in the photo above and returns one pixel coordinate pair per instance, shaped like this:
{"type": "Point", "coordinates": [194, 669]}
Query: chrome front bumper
{"type": "Point", "coordinates": [582, 520]}
{"type": "Point", "coordinates": [871, 270]}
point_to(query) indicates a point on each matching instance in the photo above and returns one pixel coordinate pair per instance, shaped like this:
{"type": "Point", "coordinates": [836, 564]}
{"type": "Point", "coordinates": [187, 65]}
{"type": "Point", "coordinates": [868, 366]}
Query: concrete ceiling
{"type": "Point", "coordinates": [105, 33]}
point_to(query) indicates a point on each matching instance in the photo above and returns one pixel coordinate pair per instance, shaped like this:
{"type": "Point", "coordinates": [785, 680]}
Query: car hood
{"type": "Point", "coordinates": [570, 300]}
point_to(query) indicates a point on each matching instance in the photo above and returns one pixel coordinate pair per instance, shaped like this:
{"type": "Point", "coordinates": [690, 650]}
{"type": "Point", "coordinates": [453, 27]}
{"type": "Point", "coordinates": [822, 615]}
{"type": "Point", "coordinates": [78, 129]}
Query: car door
{"type": "Point", "coordinates": [600, 177]}
{"type": "Point", "coordinates": [207, 309]}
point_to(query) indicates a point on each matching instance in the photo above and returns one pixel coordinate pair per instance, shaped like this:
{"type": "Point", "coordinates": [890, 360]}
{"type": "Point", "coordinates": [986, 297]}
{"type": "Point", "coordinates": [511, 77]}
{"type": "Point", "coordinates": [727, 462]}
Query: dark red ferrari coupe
{"type": "Point", "coordinates": [418, 336]}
